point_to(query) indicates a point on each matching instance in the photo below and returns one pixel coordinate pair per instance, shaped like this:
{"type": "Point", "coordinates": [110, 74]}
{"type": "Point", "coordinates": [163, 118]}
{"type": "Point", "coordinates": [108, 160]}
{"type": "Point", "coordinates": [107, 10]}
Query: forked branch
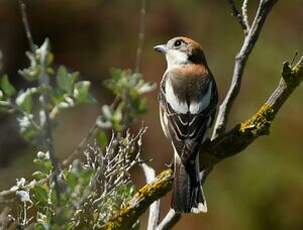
{"type": "Point", "coordinates": [249, 42]}
{"type": "Point", "coordinates": [212, 152]}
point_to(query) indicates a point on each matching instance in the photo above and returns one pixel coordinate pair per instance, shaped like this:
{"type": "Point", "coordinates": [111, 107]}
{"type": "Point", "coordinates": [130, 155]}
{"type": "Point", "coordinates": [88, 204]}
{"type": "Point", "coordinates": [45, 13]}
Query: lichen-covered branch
{"type": "Point", "coordinates": [212, 152]}
{"type": "Point", "coordinates": [141, 201]}
{"type": "Point", "coordinates": [246, 132]}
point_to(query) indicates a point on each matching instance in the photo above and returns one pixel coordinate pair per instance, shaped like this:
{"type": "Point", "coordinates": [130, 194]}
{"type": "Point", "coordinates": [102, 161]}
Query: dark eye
{"type": "Point", "coordinates": [177, 43]}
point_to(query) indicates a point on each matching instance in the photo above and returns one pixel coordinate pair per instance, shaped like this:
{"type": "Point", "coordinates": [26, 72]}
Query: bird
{"type": "Point", "coordinates": [188, 99]}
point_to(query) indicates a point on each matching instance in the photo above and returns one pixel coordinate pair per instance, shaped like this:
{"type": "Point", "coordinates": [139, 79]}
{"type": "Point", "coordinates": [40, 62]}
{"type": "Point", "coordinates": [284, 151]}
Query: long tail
{"type": "Point", "coordinates": [187, 190]}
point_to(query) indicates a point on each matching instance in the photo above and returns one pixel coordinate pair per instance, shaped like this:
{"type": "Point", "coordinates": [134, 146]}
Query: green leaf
{"type": "Point", "coordinates": [25, 100]}
{"type": "Point", "coordinates": [102, 139]}
{"type": "Point", "coordinates": [71, 180]}
{"type": "Point", "coordinates": [44, 165]}
{"type": "Point", "coordinates": [65, 80]}
{"type": "Point", "coordinates": [38, 175]}
{"type": "Point", "coordinates": [81, 92]}
{"type": "Point", "coordinates": [117, 118]}
{"type": "Point", "coordinates": [41, 226]}
{"type": "Point", "coordinates": [40, 194]}
{"type": "Point", "coordinates": [7, 87]}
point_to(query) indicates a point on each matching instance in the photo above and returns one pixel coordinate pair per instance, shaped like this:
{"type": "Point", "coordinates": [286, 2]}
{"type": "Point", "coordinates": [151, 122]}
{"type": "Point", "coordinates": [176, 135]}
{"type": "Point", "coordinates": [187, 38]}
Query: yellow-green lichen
{"type": "Point", "coordinates": [128, 215]}
{"type": "Point", "coordinates": [258, 124]}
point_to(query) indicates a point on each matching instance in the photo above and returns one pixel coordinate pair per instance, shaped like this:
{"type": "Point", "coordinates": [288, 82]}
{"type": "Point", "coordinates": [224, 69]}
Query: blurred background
{"type": "Point", "coordinates": [261, 188]}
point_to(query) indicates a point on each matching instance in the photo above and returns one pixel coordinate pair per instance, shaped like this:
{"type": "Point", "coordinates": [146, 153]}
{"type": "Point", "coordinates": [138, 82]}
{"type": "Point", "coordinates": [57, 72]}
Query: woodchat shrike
{"type": "Point", "coordinates": [188, 98]}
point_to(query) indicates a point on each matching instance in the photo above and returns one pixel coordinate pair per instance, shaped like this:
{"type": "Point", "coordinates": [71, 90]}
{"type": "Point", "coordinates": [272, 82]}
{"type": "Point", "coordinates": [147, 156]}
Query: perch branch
{"type": "Point", "coordinates": [214, 151]}
{"type": "Point", "coordinates": [141, 201]}
{"type": "Point", "coordinates": [250, 40]}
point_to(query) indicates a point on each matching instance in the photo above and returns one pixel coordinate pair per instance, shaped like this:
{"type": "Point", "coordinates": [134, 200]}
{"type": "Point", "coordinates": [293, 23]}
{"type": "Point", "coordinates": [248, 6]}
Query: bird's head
{"type": "Point", "coordinates": [181, 51]}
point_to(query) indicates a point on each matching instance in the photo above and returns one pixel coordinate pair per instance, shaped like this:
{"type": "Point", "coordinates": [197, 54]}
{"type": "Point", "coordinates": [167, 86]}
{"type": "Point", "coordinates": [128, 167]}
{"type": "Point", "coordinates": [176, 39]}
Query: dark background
{"type": "Point", "coordinates": [262, 188]}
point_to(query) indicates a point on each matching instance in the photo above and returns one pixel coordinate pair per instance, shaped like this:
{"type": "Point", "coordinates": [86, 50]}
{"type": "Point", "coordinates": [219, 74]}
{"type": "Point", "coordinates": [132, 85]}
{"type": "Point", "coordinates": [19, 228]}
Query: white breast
{"type": "Point", "coordinates": [198, 107]}
{"type": "Point", "coordinates": [173, 100]}
{"type": "Point", "coordinates": [182, 107]}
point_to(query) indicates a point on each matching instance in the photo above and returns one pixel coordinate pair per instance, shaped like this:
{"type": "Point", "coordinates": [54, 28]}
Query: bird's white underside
{"type": "Point", "coordinates": [182, 107]}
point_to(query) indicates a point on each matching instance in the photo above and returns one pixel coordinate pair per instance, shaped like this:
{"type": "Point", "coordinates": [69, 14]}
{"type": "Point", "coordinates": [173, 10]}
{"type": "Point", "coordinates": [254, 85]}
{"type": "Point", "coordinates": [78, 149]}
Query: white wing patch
{"type": "Point", "coordinates": [198, 107]}
{"type": "Point", "coordinates": [173, 100]}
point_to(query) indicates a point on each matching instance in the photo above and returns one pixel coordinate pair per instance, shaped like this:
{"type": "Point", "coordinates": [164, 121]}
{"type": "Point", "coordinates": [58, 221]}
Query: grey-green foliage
{"type": "Point", "coordinates": [94, 188]}
{"type": "Point", "coordinates": [128, 88]}
{"type": "Point", "coordinates": [62, 88]}
{"type": "Point", "coordinates": [91, 190]}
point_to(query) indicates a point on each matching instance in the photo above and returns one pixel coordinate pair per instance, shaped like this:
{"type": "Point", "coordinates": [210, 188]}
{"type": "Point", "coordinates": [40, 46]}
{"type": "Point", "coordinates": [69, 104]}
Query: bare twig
{"type": "Point", "coordinates": [141, 36]}
{"type": "Point", "coordinates": [169, 220]}
{"type": "Point", "coordinates": [48, 132]}
{"type": "Point", "coordinates": [237, 14]}
{"type": "Point", "coordinates": [154, 209]}
{"type": "Point", "coordinates": [250, 40]}
{"type": "Point", "coordinates": [1, 62]}
{"type": "Point", "coordinates": [245, 15]}
{"type": "Point", "coordinates": [4, 219]}
{"type": "Point", "coordinates": [91, 133]}
{"type": "Point", "coordinates": [26, 26]}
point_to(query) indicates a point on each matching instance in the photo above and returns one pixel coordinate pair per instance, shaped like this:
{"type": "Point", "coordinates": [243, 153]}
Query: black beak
{"type": "Point", "coordinates": [161, 49]}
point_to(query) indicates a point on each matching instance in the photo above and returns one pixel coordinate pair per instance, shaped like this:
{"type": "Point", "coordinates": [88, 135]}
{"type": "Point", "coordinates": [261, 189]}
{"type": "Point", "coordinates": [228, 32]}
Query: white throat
{"type": "Point", "coordinates": [176, 58]}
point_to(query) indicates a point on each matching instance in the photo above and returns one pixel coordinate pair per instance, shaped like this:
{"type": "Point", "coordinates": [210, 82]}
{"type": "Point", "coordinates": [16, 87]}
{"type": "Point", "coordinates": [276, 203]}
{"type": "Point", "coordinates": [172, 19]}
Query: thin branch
{"type": "Point", "coordinates": [141, 36]}
{"type": "Point", "coordinates": [26, 26]}
{"type": "Point", "coordinates": [1, 62]}
{"type": "Point", "coordinates": [212, 152]}
{"type": "Point", "coordinates": [48, 131]}
{"type": "Point", "coordinates": [250, 40]}
{"type": "Point", "coordinates": [245, 15]}
{"type": "Point", "coordinates": [91, 133]}
{"type": "Point", "coordinates": [237, 14]}
{"type": "Point", "coordinates": [4, 218]}
{"type": "Point", "coordinates": [169, 220]}
{"type": "Point", "coordinates": [154, 209]}
{"type": "Point", "coordinates": [44, 83]}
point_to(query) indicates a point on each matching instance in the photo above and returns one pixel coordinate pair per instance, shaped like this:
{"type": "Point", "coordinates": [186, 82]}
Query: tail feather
{"type": "Point", "coordinates": [187, 190]}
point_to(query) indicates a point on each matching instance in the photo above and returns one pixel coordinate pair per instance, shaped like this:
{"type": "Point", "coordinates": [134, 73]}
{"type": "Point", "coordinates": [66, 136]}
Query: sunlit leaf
{"type": "Point", "coordinates": [81, 91]}
{"type": "Point", "coordinates": [102, 139]}
{"type": "Point", "coordinates": [40, 194]}
{"type": "Point", "coordinates": [7, 87]}
{"type": "Point", "coordinates": [25, 99]}
{"type": "Point", "coordinates": [65, 80]}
